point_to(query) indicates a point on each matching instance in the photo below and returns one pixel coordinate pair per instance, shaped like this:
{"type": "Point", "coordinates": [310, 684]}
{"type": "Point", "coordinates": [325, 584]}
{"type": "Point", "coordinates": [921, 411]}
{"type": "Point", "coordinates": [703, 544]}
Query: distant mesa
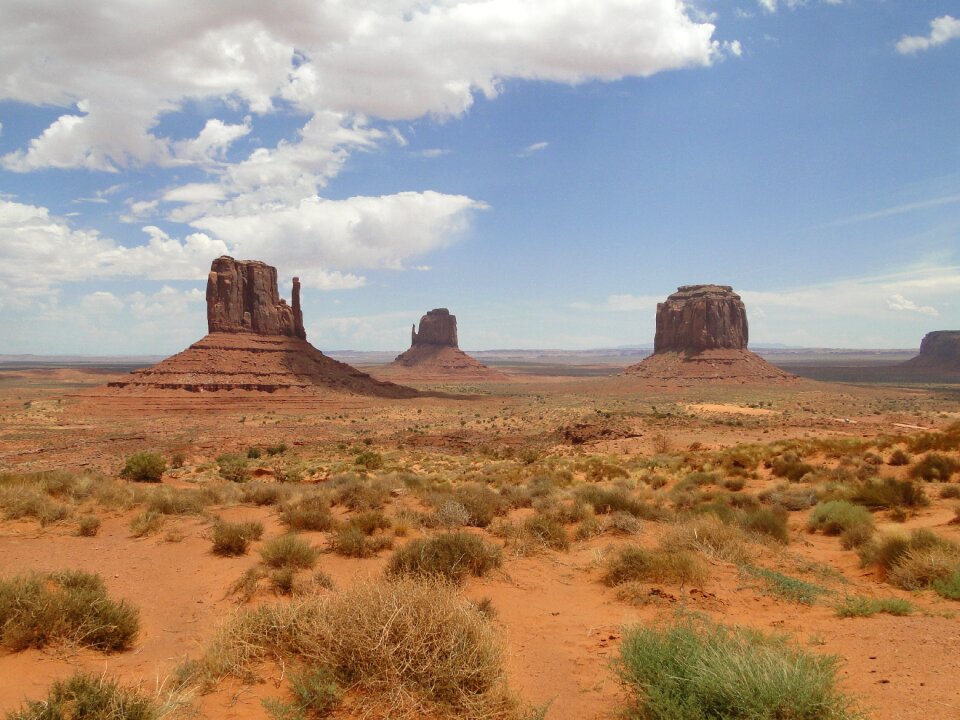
{"type": "Point", "coordinates": [939, 352]}
{"type": "Point", "coordinates": [435, 354]}
{"type": "Point", "coordinates": [256, 342]}
{"type": "Point", "coordinates": [702, 334]}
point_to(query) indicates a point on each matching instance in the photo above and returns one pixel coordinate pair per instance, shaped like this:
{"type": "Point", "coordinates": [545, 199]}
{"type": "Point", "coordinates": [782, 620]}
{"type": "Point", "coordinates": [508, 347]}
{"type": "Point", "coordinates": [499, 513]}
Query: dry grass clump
{"type": "Point", "coordinates": [790, 497]}
{"type": "Point", "coordinates": [233, 467]}
{"type": "Point", "coordinates": [356, 493]}
{"type": "Point", "coordinates": [888, 493]}
{"type": "Point", "coordinates": [66, 606]}
{"type": "Point", "coordinates": [710, 535]}
{"type": "Point", "coordinates": [88, 696]}
{"type": "Point", "coordinates": [838, 517]}
{"type": "Point", "coordinates": [411, 647]}
{"type": "Point", "coordinates": [771, 522]}
{"type": "Point", "coordinates": [948, 439]}
{"type": "Point", "coordinates": [637, 564]}
{"type": "Point", "coordinates": [289, 550]}
{"type": "Point", "coordinates": [179, 501]}
{"type": "Point", "coordinates": [548, 531]}
{"type": "Point", "coordinates": [307, 513]}
{"type": "Point", "coordinates": [233, 538]}
{"type": "Point", "coordinates": [790, 466]}
{"type": "Point", "coordinates": [260, 493]}
{"type": "Point", "coordinates": [610, 500]}
{"type": "Point", "coordinates": [29, 501]}
{"type": "Point", "coordinates": [351, 541]}
{"type": "Point", "coordinates": [917, 561]}
{"type": "Point", "coordinates": [452, 555]}
{"type": "Point", "coordinates": [146, 523]}
{"type": "Point", "coordinates": [88, 525]}
{"type": "Point", "coordinates": [935, 467]}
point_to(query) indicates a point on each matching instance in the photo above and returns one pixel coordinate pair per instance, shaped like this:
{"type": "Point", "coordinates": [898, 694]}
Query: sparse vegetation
{"type": "Point", "coordinates": [234, 467]}
{"type": "Point", "coordinates": [839, 517]}
{"type": "Point", "coordinates": [307, 513]}
{"type": "Point", "coordinates": [144, 467]}
{"type": "Point", "coordinates": [783, 586]}
{"type": "Point", "coordinates": [453, 555]}
{"type": "Point", "coordinates": [88, 525]}
{"type": "Point", "coordinates": [858, 606]}
{"type": "Point", "coordinates": [233, 538]}
{"type": "Point", "coordinates": [935, 467]}
{"type": "Point", "coordinates": [289, 550]}
{"type": "Point", "coordinates": [83, 696]}
{"type": "Point", "coordinates": [632, 563]}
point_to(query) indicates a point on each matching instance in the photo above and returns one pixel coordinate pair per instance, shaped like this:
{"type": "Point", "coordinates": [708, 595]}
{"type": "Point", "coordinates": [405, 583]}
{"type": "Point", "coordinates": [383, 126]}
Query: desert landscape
{"type": "Point", "coordinates": [251, 529]}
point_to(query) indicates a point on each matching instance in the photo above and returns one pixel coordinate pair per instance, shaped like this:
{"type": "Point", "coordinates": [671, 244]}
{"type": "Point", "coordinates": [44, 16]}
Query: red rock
{"type": "Point", "coordinates": [438, 327]}
{"type": "Point", "coordinates": [242, 296]}
{"type": "Point", "coordinates": [939, 350]}
{"type": "Point", "coordinates": [701, 317]}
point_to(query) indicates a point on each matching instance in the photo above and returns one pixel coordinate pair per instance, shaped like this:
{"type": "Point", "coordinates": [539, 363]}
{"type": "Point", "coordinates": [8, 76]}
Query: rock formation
{"type": "Point", "coordinates": [702, 334]}
{"type": "Point", "coordinates": [939, 351]}
{"type": "Point", "coordinates": [435, 355]}
{"type": "Point", "coordinates": [256, 343]}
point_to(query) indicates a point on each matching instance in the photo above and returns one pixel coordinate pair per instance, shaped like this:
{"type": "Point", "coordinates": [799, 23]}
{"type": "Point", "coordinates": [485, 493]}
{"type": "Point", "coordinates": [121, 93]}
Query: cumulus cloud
{"type": "Point", "coordinates": [100, 303]}
{"type": "Point", "coordinates": [899, 302]}
{"type": "Point", "coordinates": [942, 30]}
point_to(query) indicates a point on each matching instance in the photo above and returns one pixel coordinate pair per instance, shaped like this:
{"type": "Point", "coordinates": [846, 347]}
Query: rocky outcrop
{"type": "Point", "coordinates": [701, 336]}
{"type": "Point", "coordinates": [438, 328]}
{"type": "Point", "coordinates": [242, 297]}
{"type": "Point", "coordinates": [939, 350]}
{"type": "Point", "coordinates": [701, 317]}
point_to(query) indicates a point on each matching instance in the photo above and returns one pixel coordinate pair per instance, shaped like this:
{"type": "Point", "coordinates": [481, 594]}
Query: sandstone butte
{"type": "Point", "coordinates": [435, 353]}
{"type": "Point", "coordinates": [702, 335]}
{"type": "Point", "coordinates": [255, 342]}
{"type": "Point", "coordinates": [939, 352]}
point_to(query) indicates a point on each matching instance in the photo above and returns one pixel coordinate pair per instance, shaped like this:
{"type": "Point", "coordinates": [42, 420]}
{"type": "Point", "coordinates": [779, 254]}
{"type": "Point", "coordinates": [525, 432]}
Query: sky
{"type": "Point", "coordinates": [546, 169]}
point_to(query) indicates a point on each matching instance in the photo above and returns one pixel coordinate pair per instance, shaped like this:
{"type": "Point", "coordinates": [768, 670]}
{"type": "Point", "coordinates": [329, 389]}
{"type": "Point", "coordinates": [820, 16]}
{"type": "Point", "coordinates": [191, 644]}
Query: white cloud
{"type": "Point", "coordinates": [942, 30]}
{"type": "Point", "coordinates": [432, 152]}
{"type": "Point", "coordinates": [167, 302]}
{"type": "Point", "coordinates": [897, 210]}
{"type": "Point", "coordinates": [212, 142]}
{"type": "Point", "coordinates": [899, 302]}
{"type": "Point", "coordinates": [100, 303]}
{"type": "Point", "coordinates": [534, 148]}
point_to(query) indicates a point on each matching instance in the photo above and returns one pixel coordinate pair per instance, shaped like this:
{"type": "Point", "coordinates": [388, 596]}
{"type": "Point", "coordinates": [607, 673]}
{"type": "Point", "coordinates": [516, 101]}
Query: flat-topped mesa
{"type": "Point", "coordinates": [701, 317]}
{"type": "Point", "coordinates": [438, 327]}
{"type": "Point", "coordinates": [939, 349]}
{"type": "Point", "coordinates": [242, 297]}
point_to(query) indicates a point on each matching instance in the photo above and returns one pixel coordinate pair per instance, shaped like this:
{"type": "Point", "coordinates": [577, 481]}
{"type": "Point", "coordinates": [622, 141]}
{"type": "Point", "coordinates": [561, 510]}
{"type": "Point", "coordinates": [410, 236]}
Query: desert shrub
{"type": "Point", "coordinates": [949, 439]}
{"type": "Point", "coordinates": [766, 521]}
{"type": "Point", "coordinates": [791, 467]}
{"type": "Point", "coordinates": [369, 459]}
{"type": "Point", "coordinates": [307, 513]}
{"type": "Point", "coordinates": [452, 555]}
{"type": "Point", "coordinates": [352, 541]}
{"type": "Point", "coordinates": [880, 493]}
{"type": "Point", "coordinates": [233, 467]}
{"type": "Point", "coordinates": [935, 467]}
{"type": "Point", "coordinates": [315, 690]}
{"type": "Point", "coordinates": [547, 530]}
{"type": "Point", "coordinates": [144, 467]}
{"type": "Point", "coordinates": [783, 586]}
{"type": "Point", "coordinates": [622, 523]}
{"type": "Point", "coordinates": [145, 523]}
{"type": "Point", "coordinates": [948, 492]}
{"type": "Point", "coordinates": [233, 538]}
{"type": "Point", "coordinates": [699, 671]}
{"type": "Point", "coordinates": [357, 493]}
{"type": "Point", "coordinates": [289, 550]}
{"type": "Point", "coordinates": [482, 503]}
{"type": "Point", "coordinates": [173, 501]}
{"type": "Point", "coordinates": [29, 501]}
{"type": "Point", "coordinates": [597, 470]}
{"type": "Point", "coordinates": [858, 606]}
{"type": "Point", "coordinates": [253, 452]}
{"type": "Point", "coordinates": [740, 460]}
{"type": "Point", "coordinates": [369, 521]}
{"type": "Point", "coordinates": [633, 563]}
{"type": "Point", "coordinates": [791, 498]}
{"type": "Point", "coordinates": [898, 457]}
{"type": "Point", "coordinates": [451, 514]}
{"type": "Point", "coordinates": [409, 644]}
{"type": "Point", "coordinates": [246, 585]}
{"type": "Point", "coordinates": [948, 586]}
{"type": "Point", "coordinates": [734, 484]}
{"type": "Point", "coordinates": [283, 580]}
{"type": "Point", "coordinates": [88, 525]}
{"type": "Point", "coordinates": [919, 568]}
{"type": "Point", "coordinates": [70, 606]}
{"type": "Point", "coordinates": [83, 696]}
{"type": "Point", "coordinates": [837, 517]}
{"type": "Point", "coordinates": [709, 535]}
{"type": "Point", "coordinates": [590, 527]}
{"type": "Point", "coordinates": [277, 449]}
{"type": "Point", "coordinates": [608, 500]}
{"type": "Point", "coordinates": [259, 493]}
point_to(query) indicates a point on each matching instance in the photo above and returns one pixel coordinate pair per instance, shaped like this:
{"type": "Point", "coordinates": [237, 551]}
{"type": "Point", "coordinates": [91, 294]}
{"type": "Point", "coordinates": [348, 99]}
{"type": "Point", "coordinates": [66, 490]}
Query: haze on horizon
{"type": "Point", "coordinates": [548, 171]}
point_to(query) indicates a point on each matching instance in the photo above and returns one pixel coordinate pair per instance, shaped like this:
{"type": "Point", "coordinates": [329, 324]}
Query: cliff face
{"type": "Point", "coordinates": [438, 327]}
{"type": "Point", "coordinates": [939, 349]}
{"type": "Point", "coordinates": [242, 296]}
{"type": "Point", "coordinates": [701, 317]}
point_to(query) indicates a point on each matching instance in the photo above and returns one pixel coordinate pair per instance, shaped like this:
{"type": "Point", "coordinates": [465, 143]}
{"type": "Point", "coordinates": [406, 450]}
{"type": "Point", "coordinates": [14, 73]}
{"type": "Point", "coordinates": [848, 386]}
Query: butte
{"type": "Point", "coordinates": [256, 345]}
{"type": "Point", "coordinates": [702, 336]}
{"type": "Point", "coordinates": [435, 354]}
{"type": "Point", "coordinates": [939, 354]}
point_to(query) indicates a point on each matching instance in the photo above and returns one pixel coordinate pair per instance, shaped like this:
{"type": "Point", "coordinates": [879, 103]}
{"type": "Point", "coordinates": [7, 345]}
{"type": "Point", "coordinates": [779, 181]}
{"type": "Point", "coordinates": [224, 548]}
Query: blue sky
{"type": "Point", "coordinates": [547, 170]}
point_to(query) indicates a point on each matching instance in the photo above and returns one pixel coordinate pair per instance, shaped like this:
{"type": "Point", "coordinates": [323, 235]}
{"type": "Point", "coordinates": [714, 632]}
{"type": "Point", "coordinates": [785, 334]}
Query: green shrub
{"type": "Point", "coordinates": [87, 697]}
{"type": "Point", "coordinates": [307, 513]}
{"type": "Point", "coordinates": [357, 493]}
{"type": "Point", "coordinates": [767, 521]}
{"type": "Point", "coordinates": [370, 460]}
{"type": "Point", "coordinates": [144, 467]}
{"type": "Point", "coordinates": [233, 467]}
{"type": "Point", "coordinates": [949, 439]}
{"type": "Point", "coordinates": [352, 541]}
{"type": "Point", "coordinates": [791, 467]}
{"type": "Point", "coordinates": [283, 580]}
{"type": "Point", "coordinates": [145, 523]}
{"type": "Point", "coordinates": [369, 521]}
{"type": "Point", "coordinates": [783, 586]}
{"type": "Point", "coordinates": [233, 538]}
{"type": "Point", "coordinates": [72, 606]}
{"type": "Point", "coordinates": [837, 517]}
{"type": "Point", "coordinates": [898, 457]}
{"type": "Point", "coordinates": [935, 467]}
{"type": "Point", "coordinates": [885, 493]}
{"type": "Point", "coordinates": [451, 555]}
{"type": "Point", "coordinates": [633, 563]}
{"type": "Point", "coordinates": [949, 586]}
{"type": "Point", "coordinates": [605, 501]}
{"type": "Point", "coordinates": [315, 690]}
{"type": "Point", "coordinates": [88, 525]}
{"type": "Point", "coordinates": [707, 671]}
{"type": "Point", "coordinates": [547, 530]}
{"type": "Point", "coordinates": [481, 503]}
{"type": "Point", "coordinates": [176, 501]}
{"type": "Point", "coordinates": [858, 606]}
{"type": "Point", "coordinates": [289, 551]}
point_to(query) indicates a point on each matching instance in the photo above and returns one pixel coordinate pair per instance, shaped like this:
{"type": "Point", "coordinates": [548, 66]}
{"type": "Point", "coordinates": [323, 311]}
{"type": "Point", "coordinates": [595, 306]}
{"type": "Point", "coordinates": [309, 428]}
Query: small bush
{"type": "Point", "coordinates": [258, 493]}
{"type": "Point", "coordinates": [233, 538]}
{"type": "Point", "coordinates": [283, 580]}
{"type": "Point", "coordinates": [711, 536]}
{"type": "Point", "coordinates": [791, 467]}
{"type": "Point", "coordinates": [935, 467]}
{"type": "Point", "coordinates": [356, 493]}
{"type": "Point", "coordinates": [83, 696]}
{"type": "Point", "coordinates": [23, 501]}
{"type": "Point", "coordinates": [289, 551]}
{"type": "Point", "coordinates": [632, 563]}
{"type": "Point", "coordinates": [450, 555]}
{"type": "Point", "coordinates": [370, 460]}
{"type": "Point", "coordinates": [783, 586]}
{"type": "Point", "coordinates": [315, 690]}
{"type": "Point", "coordinates": [605, 501]}
{"type": "Point", "coordinates": [452, 514]}
{"type": "Point", "coordinates": [146, 523]}
{"type": "Point", "coordinates": [88, 525]}
{"type": "Point", "coordinates": [308, 513]}
{"type": "Point", "coordinates": [481, 503]}
{"type": "Point", "coordinates": [352, 541]}
{"type": "Point", "coordinates": [233, 467]}
{"type": "Point", "coordinates": [622, 523]}
{"type": "Point", "coordinates": [144, 467]}
{"type": "Point", "coordinates": [369, 521]}
{"type": "Point", "coordinates": [948, 492]}
{"type": "Point", "coordinates": [547, 530]}
{"type": "Point", "coordinates": [898, 457]}
{"type": "Point", "coordinates": [70, 606]}
{"type": "Point", "coordinates": [885, 493]}
{"type": "Point", "coordinates": [919, 568]}
{"type": "Point", "coordinates": [767, 521]}
{"type": "Point", "coordinates": [693, 672]}
{"type": "Point", "coordinates": [836, 517]}
{"type": "Point", "coordinates": [949, 586]}
{"type": "Point", "coordinates": [858, 606]}
{"type": "Point", "coordinates": [172, 501]}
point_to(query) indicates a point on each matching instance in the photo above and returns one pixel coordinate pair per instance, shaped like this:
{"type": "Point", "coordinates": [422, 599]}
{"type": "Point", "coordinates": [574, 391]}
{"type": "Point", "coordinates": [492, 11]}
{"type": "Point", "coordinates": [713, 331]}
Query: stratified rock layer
{"type": "Point", "coordinates": [702, 335]}
{"type": "Point", "coordinates": [701, 317]}
{"type": "Point", "coordinates": [256, 344]}
{"type": "Point", "coordinates": [939, 350]}
{"type": "Point", "coordinates": [434, 353]}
